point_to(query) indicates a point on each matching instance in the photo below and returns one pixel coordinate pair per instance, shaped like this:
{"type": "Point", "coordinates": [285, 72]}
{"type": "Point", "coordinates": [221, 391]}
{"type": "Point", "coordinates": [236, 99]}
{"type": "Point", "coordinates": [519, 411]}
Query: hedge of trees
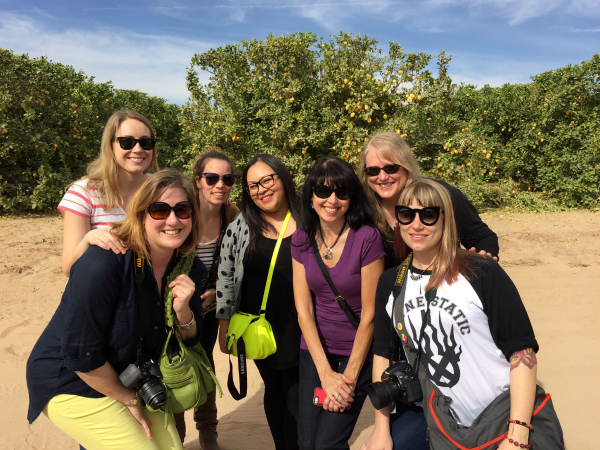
{"type": "Point", "coordinates": [301, 96]}
{"type": "Point", "coordinates": [51, 121]}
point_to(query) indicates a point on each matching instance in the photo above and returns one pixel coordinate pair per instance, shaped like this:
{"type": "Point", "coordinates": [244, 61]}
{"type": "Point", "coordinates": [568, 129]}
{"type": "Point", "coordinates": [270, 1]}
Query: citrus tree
{"type": "Point", "coordinates": [299, 97]}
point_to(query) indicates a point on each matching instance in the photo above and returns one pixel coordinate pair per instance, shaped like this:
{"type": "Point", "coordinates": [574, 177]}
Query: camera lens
{"type": "Point", "coordinates": [153, 392]}
{"type": "Point", "coordinates": [382, 393]}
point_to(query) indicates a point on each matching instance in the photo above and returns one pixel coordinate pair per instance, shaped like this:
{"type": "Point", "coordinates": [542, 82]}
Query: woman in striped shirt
{"type": "Point", "coordinates": [92, 204]}
{"type": "Point", "coordinates": [214, 176]}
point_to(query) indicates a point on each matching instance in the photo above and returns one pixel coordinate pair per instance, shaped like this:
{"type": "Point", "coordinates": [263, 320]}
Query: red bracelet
{"type": "Point", "coordinates": [516, 444]}
{"type": "Point", "coordinates": [518, 422]}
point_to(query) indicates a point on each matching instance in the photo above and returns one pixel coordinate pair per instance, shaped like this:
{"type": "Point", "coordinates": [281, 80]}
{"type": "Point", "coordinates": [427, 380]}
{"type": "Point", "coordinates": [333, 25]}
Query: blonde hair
{"type": "Point", "coordinates": [451, 260]}
{"type": "Point", "coordinates": [131, 230]}
{"type": "Point", "coordinates": [395, 149]}
{"type": "Point", "coordinates": [102, 173]}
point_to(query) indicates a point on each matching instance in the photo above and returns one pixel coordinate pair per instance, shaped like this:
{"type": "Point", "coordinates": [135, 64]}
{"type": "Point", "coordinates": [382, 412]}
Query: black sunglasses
{"type": "Point", "coordinates": [428, 216]}
{"type": "Point", "coordinates": [127, 143]}
{"type": "Point", "coordinates": [213, 178]}
{"type": "Point", "coordinates": [324, 191]}
{"type": "Point", "coordinates": [389, 169]}
{"type": "Point", "coordinates": [162, 210]}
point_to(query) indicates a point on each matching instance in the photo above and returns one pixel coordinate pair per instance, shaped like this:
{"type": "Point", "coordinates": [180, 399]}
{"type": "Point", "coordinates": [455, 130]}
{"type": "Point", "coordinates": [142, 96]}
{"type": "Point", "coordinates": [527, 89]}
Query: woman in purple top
{"type": "Point", "coordinates": [334, 355]}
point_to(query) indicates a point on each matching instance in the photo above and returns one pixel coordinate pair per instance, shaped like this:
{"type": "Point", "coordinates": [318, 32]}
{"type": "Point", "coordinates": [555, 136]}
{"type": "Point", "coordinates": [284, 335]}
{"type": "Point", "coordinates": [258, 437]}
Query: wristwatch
{"type": "Point", "coordinates": [134, 400]}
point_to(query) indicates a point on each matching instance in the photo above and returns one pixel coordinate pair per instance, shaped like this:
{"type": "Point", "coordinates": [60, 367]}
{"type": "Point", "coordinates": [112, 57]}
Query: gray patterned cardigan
{"type": "Point", "coordinates": [231, 267]}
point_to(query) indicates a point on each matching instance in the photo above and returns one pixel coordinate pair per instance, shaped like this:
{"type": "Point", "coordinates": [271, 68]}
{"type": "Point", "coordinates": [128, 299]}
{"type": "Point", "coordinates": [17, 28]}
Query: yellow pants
{"type": "Point", "coordinates": [104, 423]}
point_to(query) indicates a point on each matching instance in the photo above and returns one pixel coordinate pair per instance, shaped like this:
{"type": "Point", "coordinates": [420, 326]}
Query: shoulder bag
{"type": "Point", "coordinates": [186, 372]}
{"type": "Point", "coordinates": [250, 336]}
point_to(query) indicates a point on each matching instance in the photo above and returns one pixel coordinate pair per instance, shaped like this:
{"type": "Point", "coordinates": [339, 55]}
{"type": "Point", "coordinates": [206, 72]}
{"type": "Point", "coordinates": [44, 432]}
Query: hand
{"type": "Point", "coordinates": [339, 389]}
{"type": "Point", "coordinates": [208, 296]}
{"type": "Point", "coordinates": [138, 414]}
{"type": "Point", "coordinates": [223, 337]}
{"type": "Point", "coordinates": [484, 253]}
{"type": "Point", "coordinates": [183, 288]}
{"type": "Point", "coordinates": [378, 441]}
{"type": "Point", "coordinates": [104, 238]}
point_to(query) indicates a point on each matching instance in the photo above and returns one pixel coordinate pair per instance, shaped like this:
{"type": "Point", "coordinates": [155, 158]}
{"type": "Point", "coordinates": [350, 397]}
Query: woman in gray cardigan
{"type": "Point", "coordinates": [246, 253]}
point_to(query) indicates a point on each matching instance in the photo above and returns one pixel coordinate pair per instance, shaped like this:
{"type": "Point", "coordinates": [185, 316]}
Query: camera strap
{"type": "Point", "coordinates": [399, 292]}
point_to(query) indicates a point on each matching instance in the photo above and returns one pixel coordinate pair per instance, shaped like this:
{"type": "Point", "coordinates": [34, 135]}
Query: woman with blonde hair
{"type": "Point", "coordinates": [463, 317]}
{"type": "Point", "coordinates": [112, 315]}
{"type": "Point", "coordinates": [92, 204]}
{"type": "Point", "coordinates": [387, 166]}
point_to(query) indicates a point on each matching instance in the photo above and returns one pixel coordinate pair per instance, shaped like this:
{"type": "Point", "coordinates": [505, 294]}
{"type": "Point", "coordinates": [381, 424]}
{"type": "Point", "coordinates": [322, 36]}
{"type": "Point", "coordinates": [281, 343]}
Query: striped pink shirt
{"type": "Point", "coordinates": [86, 201]}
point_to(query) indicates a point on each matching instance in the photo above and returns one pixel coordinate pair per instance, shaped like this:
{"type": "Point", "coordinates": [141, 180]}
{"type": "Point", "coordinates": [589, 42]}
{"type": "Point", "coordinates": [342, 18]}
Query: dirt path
{"type": "Point", "coordinates": [554, 259]}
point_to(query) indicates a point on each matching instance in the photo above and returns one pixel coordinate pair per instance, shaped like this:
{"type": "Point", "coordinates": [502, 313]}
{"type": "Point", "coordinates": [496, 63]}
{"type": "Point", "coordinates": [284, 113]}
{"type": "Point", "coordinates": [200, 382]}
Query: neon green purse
{"type": "Point", "coordinates": [250, 336]}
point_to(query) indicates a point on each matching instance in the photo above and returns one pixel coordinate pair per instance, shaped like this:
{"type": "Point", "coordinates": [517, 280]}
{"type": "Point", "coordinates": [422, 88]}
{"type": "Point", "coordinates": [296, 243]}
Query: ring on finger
{"type": "Point", "coordinates": [337, 396]}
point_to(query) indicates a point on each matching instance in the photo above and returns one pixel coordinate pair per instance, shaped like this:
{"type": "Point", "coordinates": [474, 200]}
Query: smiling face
{"type": "Point", "coordinates": [165, 235]}
{"type": "Point", "coordinates": [387, 186]}
{"type": "Point", "coordinates": [272, 199]}
{"type": "Point", "coordinates": [136, 160]}
{"type": "Point", "coordinates": [424, 240]}
{"type": "Point", "coordinates": [331, 209]}
{"type": "Point", "coordinates": [217, 194]}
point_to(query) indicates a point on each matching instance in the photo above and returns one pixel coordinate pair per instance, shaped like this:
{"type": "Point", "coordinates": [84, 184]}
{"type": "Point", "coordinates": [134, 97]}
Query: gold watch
{"type": "Point", "coordinates": [134, 400]}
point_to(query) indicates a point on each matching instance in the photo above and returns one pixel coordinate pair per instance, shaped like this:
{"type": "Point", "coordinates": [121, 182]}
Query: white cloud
{"type": "Point", "coordinates": [151, 63]}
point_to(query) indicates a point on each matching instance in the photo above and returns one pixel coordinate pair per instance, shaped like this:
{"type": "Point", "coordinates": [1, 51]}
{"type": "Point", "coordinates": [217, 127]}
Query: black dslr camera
{"type": "Point", "coordinates": [145, 377]}
{"type": "Point", "coordinates": [398, 382]}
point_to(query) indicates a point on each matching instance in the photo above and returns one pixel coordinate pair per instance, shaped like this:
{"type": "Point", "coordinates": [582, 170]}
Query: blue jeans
{"type": "Point", "coordinates": [409, 428]}
{"type": "Point", "coordinates": [319, 429]}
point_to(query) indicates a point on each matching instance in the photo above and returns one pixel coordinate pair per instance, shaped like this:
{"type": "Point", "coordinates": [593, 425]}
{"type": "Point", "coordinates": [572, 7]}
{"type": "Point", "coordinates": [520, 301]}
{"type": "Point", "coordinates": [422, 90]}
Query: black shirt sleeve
{"type": "Point", "coordinates": [89, 308]}
{"type": "Point", "coordinates": [197, 274]}
{"type": "Point", "coordinates": [508, 320]}
{"type": "Point", "coordinates": [472, 231]}
{"type": "Point", "coordinates": [384, 339]}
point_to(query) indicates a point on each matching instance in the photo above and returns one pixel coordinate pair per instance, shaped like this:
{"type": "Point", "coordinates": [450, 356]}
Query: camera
{"type": "Point", "coordinates": [145, 377]}
{"type": "Point", "coordinates": [398, 382]}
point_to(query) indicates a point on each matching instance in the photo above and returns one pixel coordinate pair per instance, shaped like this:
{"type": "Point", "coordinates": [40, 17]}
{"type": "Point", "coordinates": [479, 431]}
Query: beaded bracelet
{"type": "Point", "coordinates": [518, 422]}
{"type": "Point", "coordinates": [516, 444]}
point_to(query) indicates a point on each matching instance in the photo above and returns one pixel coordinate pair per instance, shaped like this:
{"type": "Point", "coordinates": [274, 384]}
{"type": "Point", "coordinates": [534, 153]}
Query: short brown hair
{"type": "Point", "coordinates": [131, 230]}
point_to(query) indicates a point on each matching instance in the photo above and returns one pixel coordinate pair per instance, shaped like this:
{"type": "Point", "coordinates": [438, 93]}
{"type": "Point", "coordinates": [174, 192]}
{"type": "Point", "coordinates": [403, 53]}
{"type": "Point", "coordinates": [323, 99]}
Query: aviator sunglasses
{"type": "Point", "coordinates": [162, 210]}
{"type": "Point", "coordinates": [428, 216]}
{"type": "Point", "coordinates": [127, 143]}
{"type": "Point", "coordinates": [373, 171]}
{"type": "Point", "coordinates": [213, 178]}
{"type": "Point", "coordinates": [324, 191]}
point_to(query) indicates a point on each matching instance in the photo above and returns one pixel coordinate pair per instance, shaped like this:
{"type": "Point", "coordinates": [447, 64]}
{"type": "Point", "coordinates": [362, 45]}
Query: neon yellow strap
{"type": "Point", "coordinates": [273, 261]}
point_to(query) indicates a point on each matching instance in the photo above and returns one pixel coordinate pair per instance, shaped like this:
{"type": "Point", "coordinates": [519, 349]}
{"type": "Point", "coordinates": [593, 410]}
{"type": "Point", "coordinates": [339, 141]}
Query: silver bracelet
{"type": "Point", "coordinates": [188, 325]}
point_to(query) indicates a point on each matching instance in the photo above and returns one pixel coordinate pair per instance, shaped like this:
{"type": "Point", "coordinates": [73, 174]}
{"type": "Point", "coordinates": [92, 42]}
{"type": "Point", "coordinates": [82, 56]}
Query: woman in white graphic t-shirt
{"type": "Point", "coordinates": [477, 340]}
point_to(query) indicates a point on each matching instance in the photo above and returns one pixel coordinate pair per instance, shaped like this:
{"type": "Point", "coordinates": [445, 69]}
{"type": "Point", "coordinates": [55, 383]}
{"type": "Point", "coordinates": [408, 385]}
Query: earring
{"type": "Point", "coordinates": [311, 205]}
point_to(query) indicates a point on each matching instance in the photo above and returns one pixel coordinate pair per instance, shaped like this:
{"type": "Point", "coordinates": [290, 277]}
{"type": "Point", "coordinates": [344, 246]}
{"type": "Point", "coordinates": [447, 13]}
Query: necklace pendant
{"type": "Point", "coordinates": [328, 254]}
{"type": "Point", "coordinates": [415, 277]}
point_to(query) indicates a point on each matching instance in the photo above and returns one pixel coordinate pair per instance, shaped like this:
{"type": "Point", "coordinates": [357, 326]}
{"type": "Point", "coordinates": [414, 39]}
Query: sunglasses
{"type": "Point", "coordinates": [127, 143]}
{"type": "Point", "coordinates": [428, 216]}
{"type": "Point", "coordinates": [162, 210]}
{"type": "Point", "coordinates": [389, 169]}
{"type": "Point", "coordinates": [213, 178]}
{"type": "Point", "coordinates": [324, 191]}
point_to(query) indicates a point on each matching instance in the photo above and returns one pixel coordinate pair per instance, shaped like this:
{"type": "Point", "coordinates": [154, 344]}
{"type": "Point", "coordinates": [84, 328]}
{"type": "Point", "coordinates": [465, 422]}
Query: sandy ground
{"type": "Point", "coordinates": [554, 259]}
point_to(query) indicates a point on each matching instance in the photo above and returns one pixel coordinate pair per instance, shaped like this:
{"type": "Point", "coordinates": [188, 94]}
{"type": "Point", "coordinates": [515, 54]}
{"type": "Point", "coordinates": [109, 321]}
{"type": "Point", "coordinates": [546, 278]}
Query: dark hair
{"type": "Point", "coordinates": [336, 173]}
{"type": "Point", "coordinates": [251, 212]}
{"type": "Point", "coordinates": [203, 158]}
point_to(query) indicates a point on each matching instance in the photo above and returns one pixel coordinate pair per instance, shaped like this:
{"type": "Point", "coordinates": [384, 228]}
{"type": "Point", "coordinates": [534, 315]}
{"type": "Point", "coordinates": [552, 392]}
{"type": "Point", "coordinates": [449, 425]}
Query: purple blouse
{"type": "Point", "coordinates": [362, 247]}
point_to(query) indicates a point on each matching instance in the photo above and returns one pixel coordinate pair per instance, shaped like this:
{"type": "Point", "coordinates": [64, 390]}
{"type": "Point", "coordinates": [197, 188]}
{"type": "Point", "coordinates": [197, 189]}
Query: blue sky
{"type": "Point", "coordinates": [148, 45]}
